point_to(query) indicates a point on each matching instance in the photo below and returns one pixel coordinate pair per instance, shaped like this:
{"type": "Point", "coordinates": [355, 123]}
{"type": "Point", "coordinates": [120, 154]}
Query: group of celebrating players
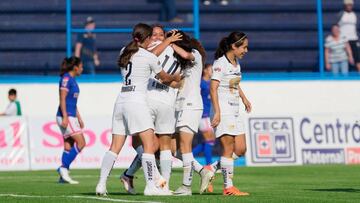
{"type": "Point", "coordinates": [160, 105]}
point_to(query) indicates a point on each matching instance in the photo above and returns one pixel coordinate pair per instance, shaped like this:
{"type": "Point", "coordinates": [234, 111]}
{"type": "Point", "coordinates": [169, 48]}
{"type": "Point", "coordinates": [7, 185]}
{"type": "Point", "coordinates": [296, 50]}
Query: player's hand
{"type": "Point", "coordinates": [177, 77]}
{"type": "Point", "coordinates": [351, 60]}
{"type": "Point", "coordinates": [65, 122]}
{"type": "Point", "coordinates": [247, 104]}
{"type": "Point", "coordinates": [81, 123]}
{"type": "Point", "coordinates": [216, 120]}
{"type": "Point", "coordinates": [328, 66]}
{"type": "Point", "coordinates": [97, 62]}
{"type": "Point", "coordinates": [174, 37]}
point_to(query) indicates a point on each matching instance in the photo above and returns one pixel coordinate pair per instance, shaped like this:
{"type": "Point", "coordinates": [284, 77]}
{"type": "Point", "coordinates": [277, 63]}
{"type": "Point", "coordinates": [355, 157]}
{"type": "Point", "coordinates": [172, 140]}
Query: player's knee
{"type": "Point", "coordinates": [240, 151]}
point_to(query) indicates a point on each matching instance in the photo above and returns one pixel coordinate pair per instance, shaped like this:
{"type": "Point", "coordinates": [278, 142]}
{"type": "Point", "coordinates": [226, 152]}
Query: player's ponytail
{"type": "Point", "coordinates": [140, 33]}
{"type": "Point", "coordinates": [236, 38]}
{"type": "Point", "coordinates": [195, 44]}
{"type": "Point", "coordinates": [68, 64]}
{"type": "Point", "coordinates": [184, 43]}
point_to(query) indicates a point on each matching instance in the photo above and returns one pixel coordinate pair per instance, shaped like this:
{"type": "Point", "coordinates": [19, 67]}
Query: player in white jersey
{"type": "Point", "coordinates": [161, 99]}
{"type": "Point", "coordinates": [225, 94]}
{"type": "Point", "coordinates": [189, 109]}
{"type": "Point", "coordinates": [131, 113]}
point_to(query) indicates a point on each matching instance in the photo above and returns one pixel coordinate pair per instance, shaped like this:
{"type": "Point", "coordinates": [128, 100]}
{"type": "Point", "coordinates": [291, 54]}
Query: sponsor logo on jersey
{"type": "Point", "coordinates": [65, 81]}
{"type": "Point", "coordinates": [323, 156]}
{"type": "Point", "coordinates": [217, 69]}
{"type": "Point", "coordinates": [272, 140]}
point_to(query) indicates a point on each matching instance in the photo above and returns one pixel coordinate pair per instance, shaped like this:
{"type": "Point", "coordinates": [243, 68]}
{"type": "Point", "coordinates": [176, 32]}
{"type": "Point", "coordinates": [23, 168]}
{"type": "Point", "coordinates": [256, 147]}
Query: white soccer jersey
{"type": "Point", "coordinates": [158, 91]}
{"type": "Point", "coordinates": [189, 96]}
{"type": "Point", "coordinates": [229, 77]}
{"type": "Point", "coordinates": [137, 73]}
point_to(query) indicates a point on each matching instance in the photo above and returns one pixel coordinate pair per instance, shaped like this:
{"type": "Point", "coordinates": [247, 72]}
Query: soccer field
{"type": "Point", "coordinates": [328, 183]}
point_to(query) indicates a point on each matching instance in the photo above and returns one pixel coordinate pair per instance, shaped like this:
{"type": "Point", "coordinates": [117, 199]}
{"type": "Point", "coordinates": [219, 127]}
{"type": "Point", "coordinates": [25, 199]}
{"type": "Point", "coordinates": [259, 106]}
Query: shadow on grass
{"type": "Point", "coordinates": [335, 190]}
{"type": "Point", "coordinates": [127, 194]}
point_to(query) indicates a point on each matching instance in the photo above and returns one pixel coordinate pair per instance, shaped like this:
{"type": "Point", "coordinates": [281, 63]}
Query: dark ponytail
{"type": "Point", "coordinates": [140, 33]}
{"type": "Point", "coordinates": [195, 44]}
{"type": "Point", "coordinates": [184, 43]}
{"type": "Point", "coordinates": [68, 64]}
{"type": "Point", "coordinates": [236, 38]}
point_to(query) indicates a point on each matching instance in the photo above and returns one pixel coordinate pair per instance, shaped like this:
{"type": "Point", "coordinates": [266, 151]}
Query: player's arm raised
{"type": "Point", "coordinates": [161, 47]}
{"type": "Point", "coordinates": [184, 54]}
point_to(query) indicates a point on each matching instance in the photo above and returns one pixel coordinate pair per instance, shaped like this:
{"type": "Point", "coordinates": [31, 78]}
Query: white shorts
{"type": "Point", "coordinates": [163, 117]}
{"type": "Point", "coordinates": [188, 118]}
{"type": "Point", "coordinates": [73, 127]}
{"type": "Point", "coordinates": [130, 118]}
{"type": "Point", "coordinates": [230, 125]}
{"type": "Point", "coordinates": [205, 125]}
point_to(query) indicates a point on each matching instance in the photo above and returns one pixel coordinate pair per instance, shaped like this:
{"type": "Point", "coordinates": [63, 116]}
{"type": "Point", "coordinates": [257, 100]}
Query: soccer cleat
{"type": "Point", "coordinates": [128, 183]}
{"type": "Point", "coordinates": [65, 177]}
{"type": "Point", "coordinates": [183, 191]}
{"type": "Point", "coordinates": [206, 177]}
{"type": "Point", "coordinates": [155, 191]}
{"type": "Point", "coordinates": [101, 190]}
{"type": "Point", "coordinates": [210, 187]}
{"type": "Point", "coordinates": [234, 191]}
{"type": "Point", "coordinates": [161, 182]}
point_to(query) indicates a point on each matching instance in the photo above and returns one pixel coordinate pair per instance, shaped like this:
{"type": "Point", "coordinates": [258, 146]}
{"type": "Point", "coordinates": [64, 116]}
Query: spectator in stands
{"type": "Point", "coordinates": [168, 11]}
{"type": "Point", "coordinates": [221, 2]}
{"type": "Point", "coordinates": [85, 48]}
{"type": "Point", "coordinates": [14, 108]}
{"type": "Point", "coordinates": [347, 23]}
{"type": "Point", "coordinates": [337, 52]}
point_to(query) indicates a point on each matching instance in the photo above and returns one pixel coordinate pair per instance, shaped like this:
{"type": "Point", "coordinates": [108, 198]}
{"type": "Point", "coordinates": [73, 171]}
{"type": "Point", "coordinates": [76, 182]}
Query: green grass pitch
{"type": "Point", "coordinates": [326, 183]}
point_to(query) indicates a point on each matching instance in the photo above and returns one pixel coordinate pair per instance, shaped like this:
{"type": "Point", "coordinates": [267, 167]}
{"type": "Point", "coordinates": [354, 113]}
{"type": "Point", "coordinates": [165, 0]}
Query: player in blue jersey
{"type": "Point", "coordinates": [205, 124]}
{"type": "Point", "coordinates": [68, 117]}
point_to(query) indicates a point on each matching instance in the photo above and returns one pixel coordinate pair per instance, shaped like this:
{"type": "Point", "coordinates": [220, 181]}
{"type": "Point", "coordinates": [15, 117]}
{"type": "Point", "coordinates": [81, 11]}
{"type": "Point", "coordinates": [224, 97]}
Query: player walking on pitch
{"type": "Point", "coordinates": [225, 91]}
{"type": "Point", "coordinates": [68, 116]}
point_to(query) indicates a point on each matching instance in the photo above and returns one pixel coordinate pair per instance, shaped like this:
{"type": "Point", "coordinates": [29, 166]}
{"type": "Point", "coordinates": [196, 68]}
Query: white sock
{"type": "Point", "coordinates": [188, 160]}
{"type": "Point", "coordinates": [227, 168]}
{"type": "Point", "coordinates": [197, 166]}
{"type": "Point", "coordinates": [106, 166]}
{"type": "Point", "coordinates": [135, 166]}
{"type": "Point", "coordinates": [216, 165]}
{"type": "Point", "coordinates": [166, 164]}
{"type": "Point", "coordinates": [148, 164]}
{"type": "Point", "coordinates": [234, 156]}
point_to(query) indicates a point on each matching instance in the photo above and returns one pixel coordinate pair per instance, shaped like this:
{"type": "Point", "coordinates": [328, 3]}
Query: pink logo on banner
{"type": "Point", "coordinates": [353, 155]}
{"type": "Point", "coordinates": [264, 148]}
{"type": "Point", "coordinates": [16, 136]}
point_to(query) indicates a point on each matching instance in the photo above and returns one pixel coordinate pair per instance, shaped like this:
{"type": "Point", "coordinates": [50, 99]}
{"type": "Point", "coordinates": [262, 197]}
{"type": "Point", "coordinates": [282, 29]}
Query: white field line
{"type": "Point", "coordinates": [49, 176]}
{"type": "Point", "coordinates": [75, 197]}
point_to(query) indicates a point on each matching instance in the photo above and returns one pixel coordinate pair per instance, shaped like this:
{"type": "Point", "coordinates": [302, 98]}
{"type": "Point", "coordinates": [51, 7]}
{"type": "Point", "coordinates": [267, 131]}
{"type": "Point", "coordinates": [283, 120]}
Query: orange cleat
{"type": "Point", "coordinates": [234, 191]}
{"type": "Point", "coordinates": [210, 188]}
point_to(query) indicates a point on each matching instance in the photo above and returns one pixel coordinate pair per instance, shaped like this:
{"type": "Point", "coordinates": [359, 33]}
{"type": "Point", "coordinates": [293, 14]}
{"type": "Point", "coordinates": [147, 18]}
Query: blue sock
{"type": "Point", "coordinates": [199, 148]}
{"type": "Point", "coordinates": [69, 156]}
{"type": "Point", "coordinates": [208, 145]}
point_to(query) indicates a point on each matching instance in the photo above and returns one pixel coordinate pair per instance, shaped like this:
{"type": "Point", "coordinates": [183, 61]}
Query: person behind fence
{"type": "Point", "coordinates": [337, 52]}
{"type": "Point", "coordinates": [14, 108]}
{"type": "Point", "coordinates": [221, 2]}
{"type": "Point", "coordinates": [347, 23]}
{"type": "Point", "coordinates": [85, 47]}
